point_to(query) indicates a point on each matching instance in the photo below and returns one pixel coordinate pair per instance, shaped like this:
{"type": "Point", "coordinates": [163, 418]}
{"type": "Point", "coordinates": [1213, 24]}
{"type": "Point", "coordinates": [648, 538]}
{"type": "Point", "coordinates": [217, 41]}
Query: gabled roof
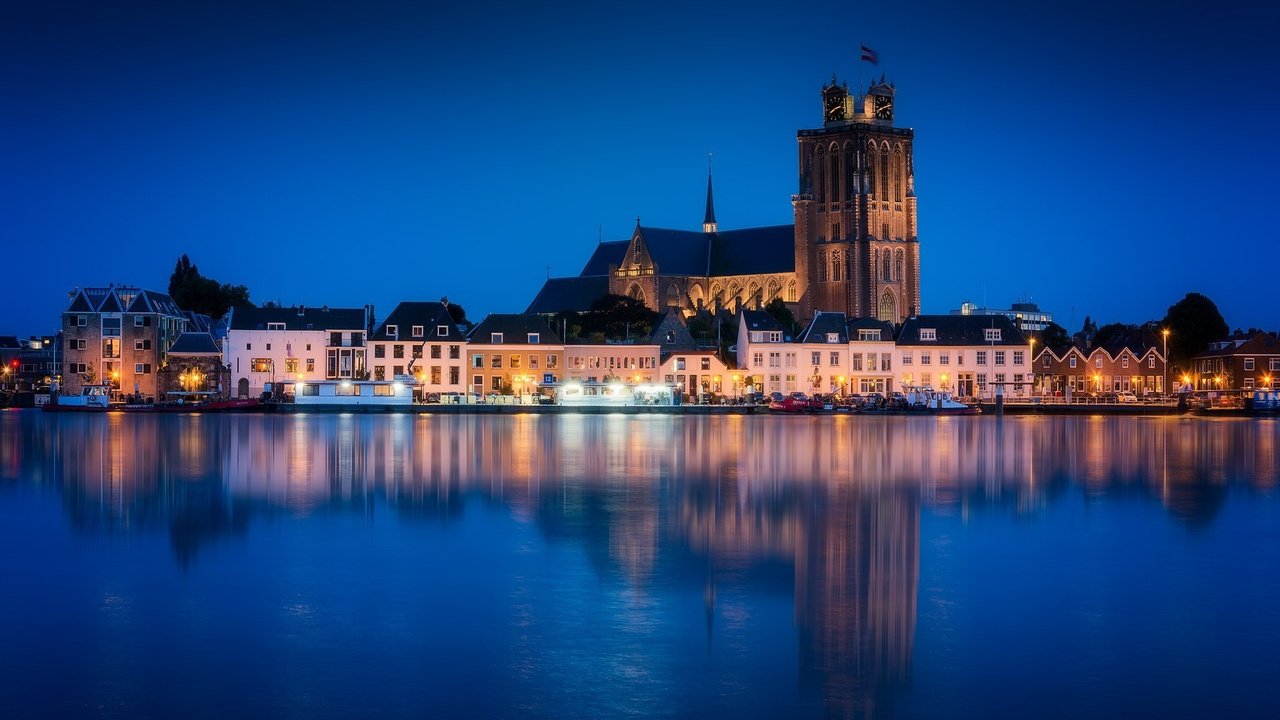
{"type": "Point", "coordinates": [194, 343]}
{"type": "Point", "coordinates": [298, 318]}
{"type": "Point", "coordinates": [672, 334]}
{"type": "Point", "coordinates": [150, 301]}
{"type": "Point", "coordinates": [122, 299]}
{"type": "Point", "coordinates": [960, 330]}
{"type": "Point", "coordinates": [197, 322]}
{"type": "Point", "coordinates": [430, 315]}
{"type": "Point", "coordinates": [606, 254]}
{"type": "Point", "coordinates": [762, 321]}
{"type": "Point", "coordinates": [515, 330]}
{"type": "Point", "coordinates": [111, 304]}
{"type": "Point", "coordinates": [568, 294]}
{"type": "Point", "coordinates": [822, 324]}
{"type": "Point", "coordinates": [677, 252]}
{"type": "Point", "coordinates": [80, 303]}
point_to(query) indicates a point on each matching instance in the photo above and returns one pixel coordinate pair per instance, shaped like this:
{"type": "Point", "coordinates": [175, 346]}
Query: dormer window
{"type": "Point", "coordinates": [991, 334]}
{"type": "Point", "coordinates": [928, 334]}
{"type": "Point", "coordinates": [442, 330]}
{"type": "Point", "coordinates": [833, 337]}
{"type": "Point", "coordinates": [775, 337]}
{"type": "Point", "coordinates": [393, 331]}
{"type": "Point", "coordinates": [533, 338]}
{"type": "Point", "coordinates": [495, 338]}
{"type": "Point", "coordinates": [275, 326]}
{"type": "Point", "coordinates": [869, 335]}
{"type": "Point", "coordinates": [417, 331]}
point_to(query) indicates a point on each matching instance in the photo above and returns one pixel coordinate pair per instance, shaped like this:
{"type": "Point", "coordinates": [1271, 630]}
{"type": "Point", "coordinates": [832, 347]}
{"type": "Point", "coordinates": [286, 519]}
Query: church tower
{"type": "Point", "coordinates": [856, 249]}
{"type": "Point", "coordinates": [709, 217]}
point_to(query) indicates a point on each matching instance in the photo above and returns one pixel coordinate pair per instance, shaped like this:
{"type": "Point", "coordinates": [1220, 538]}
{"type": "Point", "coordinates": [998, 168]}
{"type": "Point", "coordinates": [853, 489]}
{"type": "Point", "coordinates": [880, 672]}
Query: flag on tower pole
{"type": "Point", "coordinates": [869, 55]}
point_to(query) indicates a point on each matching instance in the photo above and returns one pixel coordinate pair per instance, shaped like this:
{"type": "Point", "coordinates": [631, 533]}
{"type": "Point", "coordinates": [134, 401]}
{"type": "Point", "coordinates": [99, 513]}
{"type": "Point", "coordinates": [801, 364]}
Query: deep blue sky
{"type": "Point", "coordinates": [1104, 160]}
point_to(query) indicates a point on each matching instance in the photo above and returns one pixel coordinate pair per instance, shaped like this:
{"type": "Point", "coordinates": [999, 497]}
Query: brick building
{"type": "Point", "coordinates": [1240, 362]}
{"type": "Point", "coordinates": [1134, 364]}
{"type": "Point", "coordinates": [119, 335]}
{"type": "Point", "coordinates": [194, 365]}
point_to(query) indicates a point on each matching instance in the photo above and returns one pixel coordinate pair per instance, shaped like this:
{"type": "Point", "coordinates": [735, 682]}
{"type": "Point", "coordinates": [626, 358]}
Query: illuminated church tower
{"type": "Point", "coordinates": [856, 249]}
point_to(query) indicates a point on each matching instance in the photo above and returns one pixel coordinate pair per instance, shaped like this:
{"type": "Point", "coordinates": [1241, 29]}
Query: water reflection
{"type": "Point", "coordinates": [697, 502]}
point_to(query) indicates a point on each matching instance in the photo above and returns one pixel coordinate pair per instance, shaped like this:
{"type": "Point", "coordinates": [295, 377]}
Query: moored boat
{"type": "Point", "coordinates": [92, 398]}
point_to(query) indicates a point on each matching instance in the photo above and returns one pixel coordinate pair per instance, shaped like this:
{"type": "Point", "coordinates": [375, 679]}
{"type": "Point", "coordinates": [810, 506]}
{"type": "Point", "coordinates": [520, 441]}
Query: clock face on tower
{"type": "Point", "coordinates": [884, 107]}
{"type": "Point", "coordinates": [833, 107]}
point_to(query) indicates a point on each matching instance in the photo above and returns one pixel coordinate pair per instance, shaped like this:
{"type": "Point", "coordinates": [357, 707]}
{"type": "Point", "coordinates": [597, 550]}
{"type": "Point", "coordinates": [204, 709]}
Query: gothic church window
{"type": "Point", "coordinates": [885, 274]}
{"type": "Point", "coordinates": [888, 311]}
{"type": "Point", "coordinates": [897, 269]}
{"type": "Point", "coordinates": [822, 267]}
{"type": "Point", "coordinates": [835, 265]}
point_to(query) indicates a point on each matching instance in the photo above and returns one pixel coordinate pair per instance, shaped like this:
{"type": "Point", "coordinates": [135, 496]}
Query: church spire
{"type": "Point", "coordinates": [709, 219]}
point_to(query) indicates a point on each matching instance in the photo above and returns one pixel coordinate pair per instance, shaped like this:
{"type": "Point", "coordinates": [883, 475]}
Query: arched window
{"type": "Point", "coordinates": [897, 265]}
{"type": "Point", "coordinates": [822, 267]}
{"type": "Point", "coordinates": [897, 175]}
{"type": "Point", "coordinates": [819, 174]}
{"type": "Point", "coordinates": [753, 294]}
{"type": "Point", "coordinates": [850, 170]}
{"type": "Point", "coordinates": [833, 164]}
{"type": "Point", "coordinates": [836, 266]}
{"type": "Point", "coordinates": [884, 174]}
{"type": "Point", "coordinates": [673, 295]}
{"type": "Point", "coordinates": [635, 292]}
{"type": "Point", "coordinates": [791, 292]}
{"type": "Point", "coordinates": [886, 273]}
{"type": "Point", "coordinates": [888, 308]}
{"type": "Point", "coordinates": [774, 288]}
{"type": "Point", "coordinates": [871, 170]}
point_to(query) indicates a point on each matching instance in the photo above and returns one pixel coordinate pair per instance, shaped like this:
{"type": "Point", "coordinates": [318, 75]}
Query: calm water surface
{"type": "Point", "coordinates": [396, 566]}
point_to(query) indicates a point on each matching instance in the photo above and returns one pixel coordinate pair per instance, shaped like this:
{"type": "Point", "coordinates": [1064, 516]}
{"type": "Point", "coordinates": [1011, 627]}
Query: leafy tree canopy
{"type": "Point", "coordinates": [192, 291]}
{"type": "Point", "coordinates": [780, 312]}
{"type": "Point", "coordinates": [1055, 337]}
{"type": "Point", "coordinates": [1193, 322]}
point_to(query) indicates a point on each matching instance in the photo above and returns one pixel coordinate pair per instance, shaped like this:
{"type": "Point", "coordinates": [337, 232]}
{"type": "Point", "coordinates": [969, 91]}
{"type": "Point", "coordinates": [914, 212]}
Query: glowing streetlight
{"type": "Point", "coordinates": [1165, 333]}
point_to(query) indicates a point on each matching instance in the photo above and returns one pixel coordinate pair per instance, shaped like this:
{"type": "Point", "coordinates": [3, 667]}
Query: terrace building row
{"type": "Point", "coordinates": [970, 356]}
{"type": "Point", "coordinates": [1134, 363]}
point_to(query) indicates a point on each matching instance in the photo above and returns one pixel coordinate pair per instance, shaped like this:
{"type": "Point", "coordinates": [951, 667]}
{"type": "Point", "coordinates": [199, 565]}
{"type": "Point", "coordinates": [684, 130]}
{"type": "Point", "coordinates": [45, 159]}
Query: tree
{"type": "Point", "coordinates": [618, 316]}
{"type": "Point", "coordinates": [1111, 333]}
{"type": "Point", "coordinates": [192, 291]}
{"type": "Point", "coordinates": [1193, 322]}
{"type": "Point", "coordinates": [780, 312]}
{"type": "Point", "coordinates": [1090, 328]}
{"type": "Point", "coordinates": [458, 314]}
{"type": "Point", "coordinates": [1055, 337]}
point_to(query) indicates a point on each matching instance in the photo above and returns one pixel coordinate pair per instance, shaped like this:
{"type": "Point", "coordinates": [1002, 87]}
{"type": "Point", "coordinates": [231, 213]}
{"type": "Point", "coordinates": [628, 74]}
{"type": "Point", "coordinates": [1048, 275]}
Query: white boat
{"type": "Point", "coordinates": [355, 392]}
{"type": "Point", "coordinates": [615, 394]}
{"type": "Point", "coordinates": [94, 397]}
{"type": "Point", "coordinates": [938, 402]}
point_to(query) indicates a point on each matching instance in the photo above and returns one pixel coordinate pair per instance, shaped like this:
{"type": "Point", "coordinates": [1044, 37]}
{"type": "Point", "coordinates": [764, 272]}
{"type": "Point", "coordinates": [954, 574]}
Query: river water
{"type": "Point", "coordinates": [402, 566]}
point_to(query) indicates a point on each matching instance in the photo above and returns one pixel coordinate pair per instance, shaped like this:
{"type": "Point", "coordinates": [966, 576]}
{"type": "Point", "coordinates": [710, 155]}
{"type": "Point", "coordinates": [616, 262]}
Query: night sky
{"type": "Point", "coordinates": [1103, 160]}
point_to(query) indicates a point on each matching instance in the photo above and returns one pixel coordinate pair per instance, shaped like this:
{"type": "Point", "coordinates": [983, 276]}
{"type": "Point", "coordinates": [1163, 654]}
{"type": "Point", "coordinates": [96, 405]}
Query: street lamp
{"type": "Point", "coordinates": [1165, 332]}
{"type": "Point", "coordinates": [1033, 362]}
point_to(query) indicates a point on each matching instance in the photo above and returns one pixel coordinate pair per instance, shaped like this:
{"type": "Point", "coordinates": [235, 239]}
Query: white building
{"type": "Point", "coordinates": [266, 346]}
{"type": "Point", "coordinates": [699, 372]}
{"type": "Point", "coordinates": [969, 355]}
{"type": "Point", "coordinates": [600, 362]}
{"type": "Point", "coordinates": [766, 355]}
{"type": "Point", "coordinates": [420, 339]}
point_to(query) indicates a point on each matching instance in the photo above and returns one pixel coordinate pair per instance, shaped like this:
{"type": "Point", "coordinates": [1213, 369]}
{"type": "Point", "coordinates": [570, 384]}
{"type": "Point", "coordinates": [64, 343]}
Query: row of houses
{"type": "Point", "coordinates": [144, 344]}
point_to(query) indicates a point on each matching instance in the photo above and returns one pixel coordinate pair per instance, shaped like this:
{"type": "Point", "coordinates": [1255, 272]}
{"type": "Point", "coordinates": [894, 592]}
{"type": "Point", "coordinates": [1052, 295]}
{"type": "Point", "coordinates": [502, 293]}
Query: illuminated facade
{"type": "Point", "coordinates": [271, 345]}
{"type": "Point", "coordinates": [119, 335]}
{"type": "Point", "coordinates": [852, 248]}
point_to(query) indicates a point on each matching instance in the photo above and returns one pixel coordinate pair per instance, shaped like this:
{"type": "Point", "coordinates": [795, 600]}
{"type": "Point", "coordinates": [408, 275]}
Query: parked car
{"type": "Point", "coordinates": [1126, 397]}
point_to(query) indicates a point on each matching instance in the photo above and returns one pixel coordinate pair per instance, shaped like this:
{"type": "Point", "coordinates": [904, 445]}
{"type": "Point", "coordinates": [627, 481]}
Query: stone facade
{"type": "Point", "coordinates": [856, 246]}
{"type": "Point", "coordinates": [119, 335]}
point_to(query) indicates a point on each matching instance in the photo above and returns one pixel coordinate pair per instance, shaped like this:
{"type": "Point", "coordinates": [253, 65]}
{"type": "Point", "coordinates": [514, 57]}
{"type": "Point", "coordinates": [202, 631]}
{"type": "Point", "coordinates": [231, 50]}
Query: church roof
{"type": "Point", "coordinates": [569, 294]}
{"type": "Point", "coordinates": [606, 254]}
{"type": "Point", "coordinates": [710, 217]}
{"type": "Point", "coordinates": [750, 251]}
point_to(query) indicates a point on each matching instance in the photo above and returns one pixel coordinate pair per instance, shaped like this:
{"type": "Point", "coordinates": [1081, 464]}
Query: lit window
{"type": "Point", "coordinates": [928, 334]}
